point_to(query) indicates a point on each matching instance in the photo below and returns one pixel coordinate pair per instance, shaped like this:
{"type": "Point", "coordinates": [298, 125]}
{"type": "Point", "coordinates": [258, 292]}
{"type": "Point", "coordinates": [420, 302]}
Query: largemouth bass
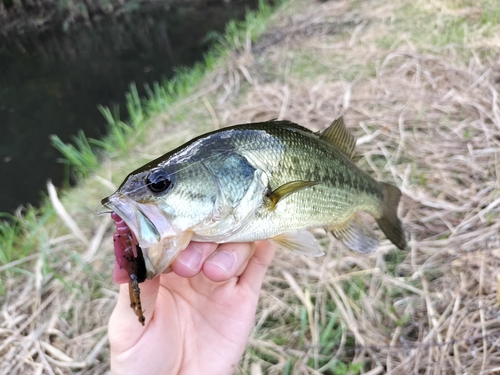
{"type": "Point", "coordinates": [270, 180]}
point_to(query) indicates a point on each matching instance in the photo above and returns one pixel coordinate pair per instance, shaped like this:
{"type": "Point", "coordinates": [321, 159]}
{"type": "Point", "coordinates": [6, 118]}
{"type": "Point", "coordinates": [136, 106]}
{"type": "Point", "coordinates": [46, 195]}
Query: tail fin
{"type": "Point", "coordinates": [389, 221]}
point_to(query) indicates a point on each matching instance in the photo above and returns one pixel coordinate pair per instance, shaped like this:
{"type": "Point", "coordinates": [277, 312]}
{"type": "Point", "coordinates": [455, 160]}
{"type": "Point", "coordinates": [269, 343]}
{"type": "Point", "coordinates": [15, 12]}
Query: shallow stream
{"type": "Point", "coordinates": [52, 83]}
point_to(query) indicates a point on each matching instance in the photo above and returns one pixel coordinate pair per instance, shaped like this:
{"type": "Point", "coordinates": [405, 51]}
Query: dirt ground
{"type": "Point", "coordinates": [417, 83]}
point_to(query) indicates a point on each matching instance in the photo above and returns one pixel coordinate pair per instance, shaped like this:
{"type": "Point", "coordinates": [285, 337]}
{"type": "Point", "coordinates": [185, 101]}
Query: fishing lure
{"type": "Point", "coordinates": [129, 257]}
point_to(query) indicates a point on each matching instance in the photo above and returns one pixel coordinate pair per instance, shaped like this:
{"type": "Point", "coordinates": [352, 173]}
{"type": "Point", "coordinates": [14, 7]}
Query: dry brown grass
{"type": "Point", "coordinates": [427, 118]}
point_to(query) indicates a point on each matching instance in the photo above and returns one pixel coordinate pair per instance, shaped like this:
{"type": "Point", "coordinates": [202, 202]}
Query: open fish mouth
{"type": "Point", "coordinates": [134, 220]}
{"type": "Point", "coordinates": [159, 241]}
{"type": "Point", "coordinates": [140, 218]}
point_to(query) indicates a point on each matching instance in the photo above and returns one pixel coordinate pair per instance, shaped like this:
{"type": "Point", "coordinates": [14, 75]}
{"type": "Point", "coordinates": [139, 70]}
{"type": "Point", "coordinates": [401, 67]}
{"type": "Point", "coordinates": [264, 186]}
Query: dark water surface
{"type": "Point", "coordinates": [52, 83]}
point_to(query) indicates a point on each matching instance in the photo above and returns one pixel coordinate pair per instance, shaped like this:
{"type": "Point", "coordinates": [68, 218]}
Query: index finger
{"type": "Point", "coordinates": [257, 266]}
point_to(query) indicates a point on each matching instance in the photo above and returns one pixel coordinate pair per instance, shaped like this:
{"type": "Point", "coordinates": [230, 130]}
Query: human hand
{"type": "Point", "coordinates": [198, 317]}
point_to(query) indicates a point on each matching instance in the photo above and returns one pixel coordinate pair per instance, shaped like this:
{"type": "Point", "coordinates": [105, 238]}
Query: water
{"type": "Point", "coordinates": [52, 83]}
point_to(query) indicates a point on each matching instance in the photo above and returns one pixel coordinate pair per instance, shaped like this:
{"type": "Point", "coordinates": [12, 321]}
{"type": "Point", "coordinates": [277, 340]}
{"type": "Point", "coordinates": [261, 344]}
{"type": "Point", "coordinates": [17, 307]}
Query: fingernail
{"type": "Point", "coordinates": [191, 258]}
{"type": "Point", "coordinates": [223, 260]}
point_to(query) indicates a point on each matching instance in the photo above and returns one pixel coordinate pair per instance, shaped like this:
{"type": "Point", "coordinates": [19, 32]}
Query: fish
{"type": "Point", "coordinates": [272, 180]}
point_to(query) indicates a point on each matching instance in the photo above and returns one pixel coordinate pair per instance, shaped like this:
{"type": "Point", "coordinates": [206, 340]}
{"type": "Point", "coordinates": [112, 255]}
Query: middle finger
{"type": "Point", "coordinates": [229, 260]}
{"type": "Point", "coordinates": [190, 261]}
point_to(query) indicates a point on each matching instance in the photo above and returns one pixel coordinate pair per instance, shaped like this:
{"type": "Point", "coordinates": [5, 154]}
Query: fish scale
{"type": "Point", "coordinates": [317, 205]}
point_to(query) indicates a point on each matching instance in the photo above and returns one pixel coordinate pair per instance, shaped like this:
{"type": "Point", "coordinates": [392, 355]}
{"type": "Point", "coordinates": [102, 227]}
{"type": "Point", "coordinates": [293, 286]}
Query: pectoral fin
{"type": "Point", "coordinates": [287, 189]}
{"type": "Point", "coordinates": [356, 235]}
{"type": "Point", "coordinates": [302, 242]}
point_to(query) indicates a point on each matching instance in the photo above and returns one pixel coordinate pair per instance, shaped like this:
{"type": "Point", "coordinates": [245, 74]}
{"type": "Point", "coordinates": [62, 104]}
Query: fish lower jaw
{"type": "Point", "coordinates": [161, 255]}
{"type": "Point", "coordinates": [150, 269]}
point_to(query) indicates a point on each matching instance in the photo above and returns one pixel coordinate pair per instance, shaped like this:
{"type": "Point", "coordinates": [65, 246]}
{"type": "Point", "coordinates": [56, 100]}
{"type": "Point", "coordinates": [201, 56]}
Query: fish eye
{"type": "Point", "coordinates": [158, 181]}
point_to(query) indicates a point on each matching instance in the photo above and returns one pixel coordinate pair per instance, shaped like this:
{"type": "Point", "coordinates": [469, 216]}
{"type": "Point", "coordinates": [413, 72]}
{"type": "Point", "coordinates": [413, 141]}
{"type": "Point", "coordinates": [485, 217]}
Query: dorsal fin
{"type": "Point", "coordinates": [338, 135]}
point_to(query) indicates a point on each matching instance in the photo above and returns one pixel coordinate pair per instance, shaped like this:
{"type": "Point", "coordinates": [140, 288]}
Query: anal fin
{"type": "Point", "coordinates": [356, 235]}
{"type": "Point", "coordinates": [302, 242]}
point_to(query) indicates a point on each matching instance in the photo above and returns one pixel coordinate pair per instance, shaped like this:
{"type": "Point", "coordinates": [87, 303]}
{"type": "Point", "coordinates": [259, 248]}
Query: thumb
{"type": "Point", "coordinates": [125, 329]}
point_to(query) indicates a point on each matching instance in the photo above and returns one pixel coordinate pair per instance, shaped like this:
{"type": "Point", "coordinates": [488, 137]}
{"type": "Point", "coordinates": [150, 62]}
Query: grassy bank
{"type": "Point", "coordinates": [417, 83]}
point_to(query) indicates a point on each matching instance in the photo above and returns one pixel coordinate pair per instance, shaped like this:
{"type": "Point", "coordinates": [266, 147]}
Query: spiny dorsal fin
{"type": "Point", "coordinates": [287, 189]}
{"type": "Point", "coordinates": [338, 135]}
{"type": "Point", "coordinates": [302, 242]}
{"type": "Point", "coordinates": [356, 235]}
